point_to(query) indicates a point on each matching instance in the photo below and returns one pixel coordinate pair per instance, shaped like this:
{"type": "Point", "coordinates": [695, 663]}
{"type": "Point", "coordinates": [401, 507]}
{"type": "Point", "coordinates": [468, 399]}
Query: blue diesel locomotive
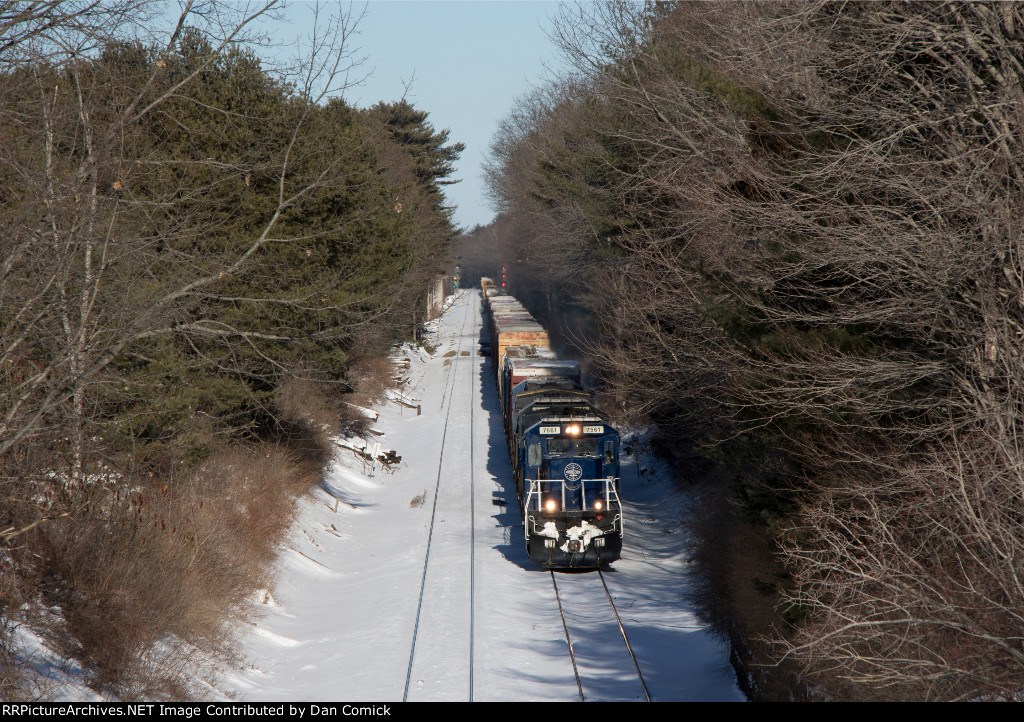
{"type": "Point", "coordinates": [565, 454]}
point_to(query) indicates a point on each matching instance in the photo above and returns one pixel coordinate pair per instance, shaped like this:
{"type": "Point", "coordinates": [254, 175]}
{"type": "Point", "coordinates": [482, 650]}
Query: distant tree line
{"type": "Point", "coordinates": [183, 233]}
{"type": "Point", "coordinates": [797, 227]}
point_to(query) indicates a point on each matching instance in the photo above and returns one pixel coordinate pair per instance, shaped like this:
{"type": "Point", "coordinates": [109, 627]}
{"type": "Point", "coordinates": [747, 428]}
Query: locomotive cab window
{"type": "Point", "coordinates": [533, 455]}
{"type": "Point", "coordinates": [559, 446]}
{"type": "Point", "coordinates": [586, 447]}
{"type": "Point", "coordinates": [609, 451]}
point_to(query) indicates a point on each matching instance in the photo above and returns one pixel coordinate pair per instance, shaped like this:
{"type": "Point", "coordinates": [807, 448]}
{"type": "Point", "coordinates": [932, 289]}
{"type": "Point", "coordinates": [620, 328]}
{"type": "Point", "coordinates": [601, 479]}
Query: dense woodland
{"type": "Point", "coordinates": [795, 234]}
{"type": "Point", "coordinates": [200, 256]}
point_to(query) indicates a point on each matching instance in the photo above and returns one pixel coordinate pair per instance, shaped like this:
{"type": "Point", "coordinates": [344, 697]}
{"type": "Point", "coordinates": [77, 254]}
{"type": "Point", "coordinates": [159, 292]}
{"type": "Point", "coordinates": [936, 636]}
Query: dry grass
{"type": "Point", "coordinates": [140, 564]}
{"type": "Point", "coordinates": [306, 403]}
{"type": "Point", "coordinates": [371, 377]}
{"type": "Point", "coordinates": [151, 571]}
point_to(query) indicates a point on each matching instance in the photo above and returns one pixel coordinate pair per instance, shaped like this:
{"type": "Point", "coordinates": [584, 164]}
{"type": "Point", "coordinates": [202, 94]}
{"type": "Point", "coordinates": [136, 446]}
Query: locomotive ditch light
{"type": "Point", "coordinates": [550, 506]}
{"type": "Point", "coordinates": [599, 541]}
{"type": "Point", "coordinates": [549, 543]}
{"type": "Point", "coordinates": [598, 505]}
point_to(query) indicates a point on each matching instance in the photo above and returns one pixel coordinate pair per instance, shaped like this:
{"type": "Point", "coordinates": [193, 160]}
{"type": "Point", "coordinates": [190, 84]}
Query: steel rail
{"type": "Point", "coordinates": [433, 514]}
{"type": "Point", "coordinates": [622, 631]}
{"type": "Point", "coordinates": [625, 639]}
{"type": "Point", "coordinates": [568, 638]}
{"type": "Point", "coordinates": [472, 509]}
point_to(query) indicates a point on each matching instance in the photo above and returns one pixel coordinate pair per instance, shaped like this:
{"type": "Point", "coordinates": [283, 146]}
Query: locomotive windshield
{"type": "Point", "coordinates": [559, 446]}
{"type": "Point", "coordinates": [575, 447]}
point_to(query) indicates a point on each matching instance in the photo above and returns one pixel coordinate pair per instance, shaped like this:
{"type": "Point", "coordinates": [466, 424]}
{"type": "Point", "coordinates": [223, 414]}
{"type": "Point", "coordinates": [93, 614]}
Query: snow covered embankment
{"type": "Point", "coordinates": [360, 613]}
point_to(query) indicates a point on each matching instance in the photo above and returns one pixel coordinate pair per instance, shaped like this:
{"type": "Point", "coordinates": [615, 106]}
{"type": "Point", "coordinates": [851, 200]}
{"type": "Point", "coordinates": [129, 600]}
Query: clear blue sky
{"type": "Point", "coordinates": [467, 61]}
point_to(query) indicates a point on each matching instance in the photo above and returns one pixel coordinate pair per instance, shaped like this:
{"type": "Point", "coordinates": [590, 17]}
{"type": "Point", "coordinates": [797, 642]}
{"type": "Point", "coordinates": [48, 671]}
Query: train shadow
{"type": "Point", "coordinates": [500, 468]}
{"type": "Point", "coordinates": [677, 664]}
{"type": "Point", "coordinates": [679, 658]}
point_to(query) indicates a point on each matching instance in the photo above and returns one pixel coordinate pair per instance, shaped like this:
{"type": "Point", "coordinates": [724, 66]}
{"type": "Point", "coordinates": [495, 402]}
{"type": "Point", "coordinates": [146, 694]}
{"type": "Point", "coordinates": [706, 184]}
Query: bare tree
{"type": "Point", "coordinates": [168, 203]}
{"type": "Point", "coordinates": [817, 208]}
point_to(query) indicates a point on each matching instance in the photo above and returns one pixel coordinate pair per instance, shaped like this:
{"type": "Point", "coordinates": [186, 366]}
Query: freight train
{"type": "Point", "coordinates": [565, 454]}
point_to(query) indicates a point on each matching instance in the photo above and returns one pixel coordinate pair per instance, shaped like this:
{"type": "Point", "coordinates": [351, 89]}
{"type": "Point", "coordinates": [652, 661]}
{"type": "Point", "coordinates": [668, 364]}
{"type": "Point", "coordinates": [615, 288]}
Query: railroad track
{"type": "Point", "coordinates": [441, 655]}
{"type": "Point", "coordinates": [433, 583]}
{"type": "Point", "coordinates": [603, 661]}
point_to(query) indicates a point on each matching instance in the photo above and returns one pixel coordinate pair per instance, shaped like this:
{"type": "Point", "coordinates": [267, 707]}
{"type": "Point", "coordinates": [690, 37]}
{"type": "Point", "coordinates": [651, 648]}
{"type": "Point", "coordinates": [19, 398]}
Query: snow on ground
{"type": "Point", "coordinates": [355, 586]}
{"type": "Point", "coordinates": [51, 677]}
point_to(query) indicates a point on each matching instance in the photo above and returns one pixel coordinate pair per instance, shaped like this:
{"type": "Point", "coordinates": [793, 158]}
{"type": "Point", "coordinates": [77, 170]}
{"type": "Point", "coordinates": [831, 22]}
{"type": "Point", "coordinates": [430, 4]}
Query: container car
{"type": "Point", "coordinates": [565, 454]}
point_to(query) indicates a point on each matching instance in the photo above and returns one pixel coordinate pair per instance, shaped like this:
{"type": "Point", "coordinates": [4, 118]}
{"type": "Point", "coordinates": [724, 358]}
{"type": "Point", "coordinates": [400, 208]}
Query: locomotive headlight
{"type": "Point", "coordinates": [573, 430]}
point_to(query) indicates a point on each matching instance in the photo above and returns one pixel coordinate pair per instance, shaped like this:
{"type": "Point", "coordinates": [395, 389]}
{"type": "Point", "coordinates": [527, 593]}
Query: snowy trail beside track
{"type": "Point", "coordinates": [347, 621]}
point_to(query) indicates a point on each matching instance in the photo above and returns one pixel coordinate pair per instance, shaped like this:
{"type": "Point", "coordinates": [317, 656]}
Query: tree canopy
{"type": "Point", "coordinates": [797, 227]}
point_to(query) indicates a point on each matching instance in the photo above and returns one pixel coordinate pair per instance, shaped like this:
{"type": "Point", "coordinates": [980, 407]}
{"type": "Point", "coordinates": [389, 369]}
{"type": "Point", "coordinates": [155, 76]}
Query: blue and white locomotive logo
{"type": "Point", "coordinates": [573, 472]}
